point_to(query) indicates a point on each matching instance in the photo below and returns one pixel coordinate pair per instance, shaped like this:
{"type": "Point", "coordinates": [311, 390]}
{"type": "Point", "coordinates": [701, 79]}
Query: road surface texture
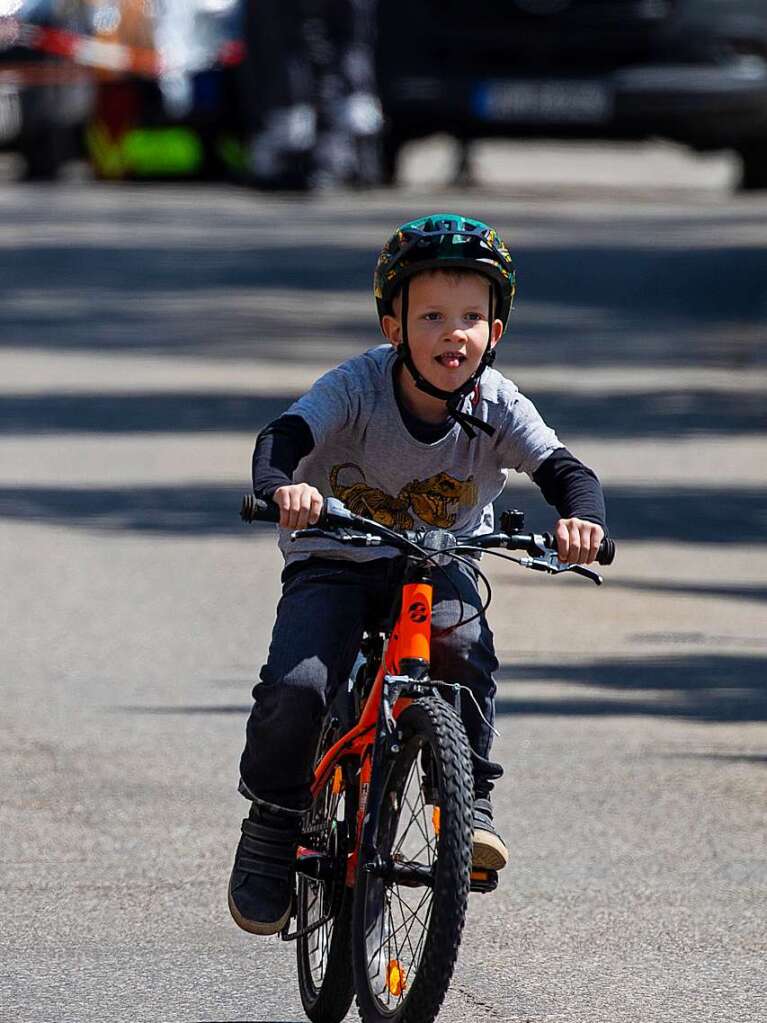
{"type": "Point", "coordinates": [147, 334]}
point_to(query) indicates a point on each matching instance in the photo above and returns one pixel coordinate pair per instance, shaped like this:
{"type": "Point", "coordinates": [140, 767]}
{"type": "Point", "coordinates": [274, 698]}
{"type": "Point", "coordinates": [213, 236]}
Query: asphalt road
{"type": "Point", "coordinates": [147, 334]}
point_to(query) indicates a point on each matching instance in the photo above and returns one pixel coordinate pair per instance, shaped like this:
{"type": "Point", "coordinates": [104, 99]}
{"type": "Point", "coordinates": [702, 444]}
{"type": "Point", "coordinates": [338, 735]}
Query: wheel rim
{"type": "Point", "coordinates": [397, 917]}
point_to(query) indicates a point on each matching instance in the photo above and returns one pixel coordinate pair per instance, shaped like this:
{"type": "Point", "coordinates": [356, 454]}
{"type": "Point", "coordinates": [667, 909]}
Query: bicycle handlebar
{"type": "Point", "coordinates": [334, 515]}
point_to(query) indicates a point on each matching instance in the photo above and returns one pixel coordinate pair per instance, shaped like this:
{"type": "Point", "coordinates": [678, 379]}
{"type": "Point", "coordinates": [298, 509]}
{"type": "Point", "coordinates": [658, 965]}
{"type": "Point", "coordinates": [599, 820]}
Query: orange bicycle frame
{"type": "Point", "coordinates": [409, 643]}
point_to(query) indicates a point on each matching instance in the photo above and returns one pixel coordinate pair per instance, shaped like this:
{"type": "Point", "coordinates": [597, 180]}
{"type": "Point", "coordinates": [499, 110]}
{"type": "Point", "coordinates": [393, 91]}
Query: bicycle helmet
{"type": "Point", "coordinates": [445, 241]}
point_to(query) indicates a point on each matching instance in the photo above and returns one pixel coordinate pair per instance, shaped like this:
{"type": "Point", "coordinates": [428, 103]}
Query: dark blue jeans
{"type": "Point", "coordinates": [325, 606]}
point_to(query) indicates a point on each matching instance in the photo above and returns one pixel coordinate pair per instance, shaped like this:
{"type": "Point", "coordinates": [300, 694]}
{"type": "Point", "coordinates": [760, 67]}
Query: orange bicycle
{"type": "Point", "coordinates": [384, 866]}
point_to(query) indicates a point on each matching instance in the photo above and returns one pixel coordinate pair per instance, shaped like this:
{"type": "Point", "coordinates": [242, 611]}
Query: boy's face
{"type": "Point", "coordinates": [447, 325]}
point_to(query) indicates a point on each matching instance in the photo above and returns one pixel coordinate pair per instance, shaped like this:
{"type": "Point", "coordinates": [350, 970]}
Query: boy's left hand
{"type": "Point", "coordinates": [577, 541]}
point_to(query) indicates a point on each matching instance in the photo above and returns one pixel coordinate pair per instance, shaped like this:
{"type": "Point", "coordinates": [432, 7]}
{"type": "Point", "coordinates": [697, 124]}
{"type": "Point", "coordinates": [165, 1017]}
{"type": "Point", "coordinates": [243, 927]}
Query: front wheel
{"type": "Point", "coordinates": [409, 912]}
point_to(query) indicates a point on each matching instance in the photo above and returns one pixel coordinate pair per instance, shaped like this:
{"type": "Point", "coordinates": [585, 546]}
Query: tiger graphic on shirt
{"type": "Point", "coordinates": [432, 499]}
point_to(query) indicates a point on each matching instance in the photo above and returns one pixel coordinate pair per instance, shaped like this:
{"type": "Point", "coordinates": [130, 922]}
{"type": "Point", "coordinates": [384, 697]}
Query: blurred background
{"type": "Point", "coordinates": [313, 93]}
{"type": "Point", "coordinates": [192, 197]}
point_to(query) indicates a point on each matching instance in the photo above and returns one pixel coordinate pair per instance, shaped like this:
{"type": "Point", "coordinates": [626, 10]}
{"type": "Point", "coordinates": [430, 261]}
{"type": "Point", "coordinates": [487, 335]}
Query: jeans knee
{"type": "Point", "coordinates": [464, 653]}
{"type": "Point", "coordinates": [298, 693]}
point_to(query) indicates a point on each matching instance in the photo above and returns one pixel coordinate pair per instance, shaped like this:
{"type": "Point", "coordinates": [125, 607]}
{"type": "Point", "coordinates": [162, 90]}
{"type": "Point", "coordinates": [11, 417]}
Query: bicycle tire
{"type": "Point", "coordinates": [422, 973]}
{"type": "Point", "coordinates": [323, 957]}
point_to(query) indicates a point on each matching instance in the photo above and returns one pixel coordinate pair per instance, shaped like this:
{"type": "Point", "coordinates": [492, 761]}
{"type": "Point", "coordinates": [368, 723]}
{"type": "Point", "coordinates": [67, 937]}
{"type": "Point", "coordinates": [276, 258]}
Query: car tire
{"type": "Point", "coordinates": [391, 144]}
{"type": "Point", "coordinates": [754, 173]}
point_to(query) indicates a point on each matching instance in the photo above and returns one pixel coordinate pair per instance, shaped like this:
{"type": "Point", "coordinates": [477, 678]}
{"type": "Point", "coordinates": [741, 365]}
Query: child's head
{"type": "Point", "coordinates": [449, 242]}
{"type": "Point", "coordinates": [448, 324]}
{"type": "Point", "coordinates": [440, 274]}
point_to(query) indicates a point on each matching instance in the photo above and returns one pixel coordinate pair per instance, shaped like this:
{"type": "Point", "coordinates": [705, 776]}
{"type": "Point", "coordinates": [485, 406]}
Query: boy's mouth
{"type": "Point", "coordinates": [450, 360]}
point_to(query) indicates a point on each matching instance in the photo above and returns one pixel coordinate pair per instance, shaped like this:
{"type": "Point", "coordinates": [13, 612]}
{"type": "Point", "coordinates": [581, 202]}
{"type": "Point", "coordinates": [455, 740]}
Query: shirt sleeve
{"type": "Point", "coordinates": [280, 447]}
{"type": "Point", "coordinates": [524, 440]}
{"type": "Point", "coordinates": [571, 487]}
{"type": "Point", "coordinates": [331, 405]}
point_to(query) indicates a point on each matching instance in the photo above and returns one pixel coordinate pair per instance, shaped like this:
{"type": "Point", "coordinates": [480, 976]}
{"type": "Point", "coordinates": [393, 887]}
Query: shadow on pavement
{"type": "Point", "coordinates": [704, 687]}
{"type": "Point", "coordinates": [692, 514]}
{"type": "Point", "coordinates": [203, 708]}
{"type": "Point", "coordinates": [722, 758]}
{"type": "Point", "coordinates": [151, 412]}
{"type": "Point", "coordinates": [629, 415]}
{"type": "Point", "coordinates": [684, 514]}
{"type": "Point", "coordinates": [718, 590]}
{"type": "Point", "coordinates": [696, 687]}
{"type": "Point", "coordinates": [650, 305]}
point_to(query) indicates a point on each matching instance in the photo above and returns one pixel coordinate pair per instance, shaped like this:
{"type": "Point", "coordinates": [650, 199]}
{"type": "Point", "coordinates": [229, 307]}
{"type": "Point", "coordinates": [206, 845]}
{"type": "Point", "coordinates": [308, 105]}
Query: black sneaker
{"type": "Point", "coordinates": [489, 852]}
{"type": "Point", "coordinates": [261, 885]}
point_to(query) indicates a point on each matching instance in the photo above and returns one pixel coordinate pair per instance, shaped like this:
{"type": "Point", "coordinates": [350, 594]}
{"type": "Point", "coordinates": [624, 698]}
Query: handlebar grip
{"type": "Point", "coordinates": [253, 509]}
{"type": "Point", "coordinates": [605, 554]}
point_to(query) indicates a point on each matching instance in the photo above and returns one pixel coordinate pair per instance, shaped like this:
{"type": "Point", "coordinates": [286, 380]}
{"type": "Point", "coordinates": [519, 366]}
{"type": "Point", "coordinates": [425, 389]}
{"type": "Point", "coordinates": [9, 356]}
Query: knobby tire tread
{"type": "Point", "coordinates": [450, 748]}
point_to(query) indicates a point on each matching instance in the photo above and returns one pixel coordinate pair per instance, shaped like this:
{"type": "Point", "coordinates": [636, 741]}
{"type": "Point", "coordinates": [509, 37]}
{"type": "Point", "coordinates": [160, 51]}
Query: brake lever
{"type": "Point", "coordinates": [312, 531]}
{"type": "Point", "coordinates": [549, 562]}
{"type": "Point", "coordinates": [352, 539]}
{"type": "Point", "coordinates": [587, 573]}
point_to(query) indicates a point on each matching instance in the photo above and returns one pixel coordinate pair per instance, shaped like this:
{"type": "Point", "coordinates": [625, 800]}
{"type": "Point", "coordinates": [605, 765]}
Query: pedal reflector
{"type": "Point", "coordinates": [435, 819]}
{"type": "Point", "coordinates": [338, 781]}
{"type": "Point", "coordinates": [483, 879]}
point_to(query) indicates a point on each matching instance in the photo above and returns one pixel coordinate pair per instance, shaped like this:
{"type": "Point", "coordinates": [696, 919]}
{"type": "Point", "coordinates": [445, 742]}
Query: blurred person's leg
{"type": "Point", "coordinates": [278, 100]}
{"type": "Point", "coordinates": [349, 112]}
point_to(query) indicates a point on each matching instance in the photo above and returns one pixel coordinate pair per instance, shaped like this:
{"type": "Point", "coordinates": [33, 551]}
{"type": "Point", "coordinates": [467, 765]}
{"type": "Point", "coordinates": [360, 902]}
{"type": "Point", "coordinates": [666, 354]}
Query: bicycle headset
{"type": "Point", "coordinates": [445, 241]}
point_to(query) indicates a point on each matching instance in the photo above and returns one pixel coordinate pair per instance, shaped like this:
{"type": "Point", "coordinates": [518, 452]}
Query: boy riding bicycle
{"type": "Point", "coordinates": [416, 433]}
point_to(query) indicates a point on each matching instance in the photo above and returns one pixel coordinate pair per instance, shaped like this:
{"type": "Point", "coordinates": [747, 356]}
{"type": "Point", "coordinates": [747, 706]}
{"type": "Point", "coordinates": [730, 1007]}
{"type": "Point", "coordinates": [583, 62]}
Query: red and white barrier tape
{"type": "Point", "coordinates": [105, 55]}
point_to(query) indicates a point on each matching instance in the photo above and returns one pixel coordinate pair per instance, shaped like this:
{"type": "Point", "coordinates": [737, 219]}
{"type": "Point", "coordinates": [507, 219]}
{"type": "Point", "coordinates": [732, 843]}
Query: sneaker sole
{"type": "Point", "coordinates": [256, 926]}
{"type": "Point", "coordinates": [489, 852]}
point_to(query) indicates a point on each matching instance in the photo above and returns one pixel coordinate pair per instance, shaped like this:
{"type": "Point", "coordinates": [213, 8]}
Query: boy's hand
{"type": "Point", "coordinates": [300, 505]}
{"type": "Point", "coordinates": [578, 541]}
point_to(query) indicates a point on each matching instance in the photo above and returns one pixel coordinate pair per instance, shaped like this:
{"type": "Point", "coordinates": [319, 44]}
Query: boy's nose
{"type": "Point", "coordinates": [456, 331]}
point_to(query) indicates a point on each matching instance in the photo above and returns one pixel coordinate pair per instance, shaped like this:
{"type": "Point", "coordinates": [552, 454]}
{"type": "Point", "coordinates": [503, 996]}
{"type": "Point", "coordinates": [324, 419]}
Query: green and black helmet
{"type": "Point", "coordinates": [444, 241]}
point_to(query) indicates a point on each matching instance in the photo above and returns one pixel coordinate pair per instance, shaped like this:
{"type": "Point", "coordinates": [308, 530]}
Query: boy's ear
{"type": "Point", "coordinates": [392, 329]}
{"type": "Point", "coordinates": [496, 333]}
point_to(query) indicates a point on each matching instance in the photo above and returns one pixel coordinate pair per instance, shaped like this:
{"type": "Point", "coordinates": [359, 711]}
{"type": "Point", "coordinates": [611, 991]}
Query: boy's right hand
{"type": "Point", "coordinates": [300, 505]}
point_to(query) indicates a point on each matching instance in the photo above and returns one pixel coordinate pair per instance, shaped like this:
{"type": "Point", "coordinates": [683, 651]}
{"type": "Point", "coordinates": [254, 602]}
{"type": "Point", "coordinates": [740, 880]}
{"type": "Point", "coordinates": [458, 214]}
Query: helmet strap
{"type": "Point", "coordinates": [454, 398]}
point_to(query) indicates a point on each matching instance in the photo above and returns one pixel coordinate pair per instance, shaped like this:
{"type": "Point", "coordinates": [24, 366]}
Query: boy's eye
{"type": "Point", "coordinates": [431, 316]}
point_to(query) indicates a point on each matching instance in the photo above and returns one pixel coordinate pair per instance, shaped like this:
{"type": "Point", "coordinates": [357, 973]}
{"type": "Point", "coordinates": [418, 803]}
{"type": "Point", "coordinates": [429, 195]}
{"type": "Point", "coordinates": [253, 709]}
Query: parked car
{"type": "Point", "coordinates": [44, 96]}
{"type": "Point", "coordinates": [692, 71]}
{"type": "Point", "coordinates": [141, 89]}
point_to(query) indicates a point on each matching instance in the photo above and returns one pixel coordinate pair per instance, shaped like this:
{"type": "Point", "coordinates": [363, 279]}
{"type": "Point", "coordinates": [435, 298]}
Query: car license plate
{"type": "Point", "coordinates": [544, 101]}
{"type": "Point", "coordinates": [10, 113]}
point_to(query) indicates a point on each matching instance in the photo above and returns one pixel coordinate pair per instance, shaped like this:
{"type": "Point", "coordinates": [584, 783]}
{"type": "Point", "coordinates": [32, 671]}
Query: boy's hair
{"type": "Point", "coordinates": [453, 273]}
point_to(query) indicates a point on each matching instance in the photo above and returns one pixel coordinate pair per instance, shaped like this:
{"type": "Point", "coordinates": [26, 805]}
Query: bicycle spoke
{"type": "Point", "coordinates": [416, 918]}
{"type": "Point", "coordinates": [426, 829]}
{"type": "Point", "coordinates": [417, 815]}
{"type": "Point", "coordinates": [424, 932]}
{"type": "Point", "coordinates": [414, 818]}
{"type": "Point", "coordinates": [394, 931]}
{"type": "Point", "coordinates": [385, 995]}
{"type": "Point", "coordinates": [402, 838]}
{"type": "Point", "coordinates": [386, 931]}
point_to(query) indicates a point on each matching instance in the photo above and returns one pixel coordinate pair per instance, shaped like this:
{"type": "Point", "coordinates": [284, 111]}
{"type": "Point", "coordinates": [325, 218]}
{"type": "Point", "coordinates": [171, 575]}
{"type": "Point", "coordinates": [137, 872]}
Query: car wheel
{"type": "Point", "coordinates": [754, 157]}
{"type": "Point", "coordinates": [390, 147]}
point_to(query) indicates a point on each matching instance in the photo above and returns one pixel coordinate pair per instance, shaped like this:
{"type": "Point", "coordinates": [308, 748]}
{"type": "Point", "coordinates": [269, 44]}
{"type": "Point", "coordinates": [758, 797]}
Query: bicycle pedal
{"type": "Point", "coordinates": [483, 880]}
